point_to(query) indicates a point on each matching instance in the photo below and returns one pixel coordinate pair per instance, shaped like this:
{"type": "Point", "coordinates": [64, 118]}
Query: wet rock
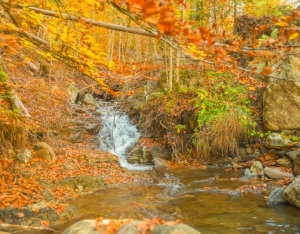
{"type": "Point", "coordinates": [276, 197]}
{"type": "Point", "coordinates": [145, 155]}
{"type": "Point", "coordinates": [92, 128]}
{"type": "Point", "coordinates": [89, 99]}
{"type": "Point", "coordinates": [256, 167]}
{"type": "Point", "coordinates": [296, 165]}
{"type": "Point", "coordinates": [292, 154]}
{"type": "Point", "coordinates": [276, 173]}
{"type": "Point", "coordinates": [25, 156]}
{"type": "Point", "coordinates": [73, 93]}
{"type": "Point", "coordinates": [44, 151]}
{"type": "Point", "coordinates": [87, 227]}
{"type": "Point", "coordinates": [285, 162]}
{"type": "Point", "coordinates": [87, 182]}
{"type": "Point", "coordinates": [248, 175]}
{"type": "Point", "coordinates": [180, 228]}
{"type": "Point", "coordinates": [292, 192]}
{"type": "Point", "coordinates": [276, 141]}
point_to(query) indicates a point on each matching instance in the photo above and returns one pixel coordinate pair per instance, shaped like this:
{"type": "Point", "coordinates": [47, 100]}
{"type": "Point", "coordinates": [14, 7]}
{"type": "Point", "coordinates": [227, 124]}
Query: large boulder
{"type": "Point", "coordinates": [44, 151]}
{"type": "Point", "coordinates": [282, 98]}
{"type": "Point", "coordinates": [277, 174]}
{"type": "Point", "coordinates": [292, 192]}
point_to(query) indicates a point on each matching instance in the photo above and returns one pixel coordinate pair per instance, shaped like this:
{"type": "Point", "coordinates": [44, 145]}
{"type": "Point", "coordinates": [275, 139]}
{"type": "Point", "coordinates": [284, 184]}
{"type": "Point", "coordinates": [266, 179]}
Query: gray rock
{"type": "Point", "coordinates": [87, 227]}
{"type": "Point", "coordinates": [130, 228]}
{"type": "Point", "coordinates": [276, 173]}
{"type": "Point", "coordinates": [89, 99]}
{"type": "Point", "coordinates": [73, 92]}
{"type": "Point", "coordinates": [285, 162]}
{"type": "Point", "coordinates": [248, 175]}
{"type": "Point", "coordinates": [44, 151]}
{"type": "Point", "coordinates": [275, 140]}
{"type": "Point", "coordinates": [144, 155]}
{"type": "Point", "coordinates": [276, 197]}
{"type": "Point", "coordinates": [180, 228]}
{"type": "Point", "coordinates": [25, 156]}
{"type": "Point", "coordinates": [82, 227]}
{"type": "Point", "coordinates": [256, 167]}
{"type": "Point", "coordinates": [292, 192]}
{"type": "Point", "coordinates": [293, 154]}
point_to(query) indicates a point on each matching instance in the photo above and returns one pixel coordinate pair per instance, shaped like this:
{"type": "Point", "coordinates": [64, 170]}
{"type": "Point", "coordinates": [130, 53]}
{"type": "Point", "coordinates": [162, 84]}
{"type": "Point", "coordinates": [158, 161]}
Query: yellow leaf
{"type": "Point", "coordinates": [294, 36]}
{"type": "Point", "coordinates": [281, 24]}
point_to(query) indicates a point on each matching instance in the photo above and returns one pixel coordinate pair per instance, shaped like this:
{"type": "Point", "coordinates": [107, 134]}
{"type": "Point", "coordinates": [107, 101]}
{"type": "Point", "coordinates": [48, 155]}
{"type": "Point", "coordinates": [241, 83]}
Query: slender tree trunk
{"type": "Point", "coordinates": [234, 16]}
{"type": "Point", "coordinates": [171, 70]}
{"type": "Point", "coordinates": [177, 78]}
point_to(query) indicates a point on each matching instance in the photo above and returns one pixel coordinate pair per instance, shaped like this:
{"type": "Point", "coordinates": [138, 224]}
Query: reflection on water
{"type": "Point", "coordinates": [180, 194]}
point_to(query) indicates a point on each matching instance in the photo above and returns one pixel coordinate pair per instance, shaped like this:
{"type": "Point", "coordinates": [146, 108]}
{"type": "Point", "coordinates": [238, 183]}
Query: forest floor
{"type": "Point", "coordinates": [54, 120]}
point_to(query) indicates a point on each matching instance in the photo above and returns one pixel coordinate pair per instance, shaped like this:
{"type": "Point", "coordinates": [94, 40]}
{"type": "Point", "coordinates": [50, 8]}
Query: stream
{"type": "Point", "coordinates": [208, 200]}
{"type": "Point", "coordinates": [181, 194]}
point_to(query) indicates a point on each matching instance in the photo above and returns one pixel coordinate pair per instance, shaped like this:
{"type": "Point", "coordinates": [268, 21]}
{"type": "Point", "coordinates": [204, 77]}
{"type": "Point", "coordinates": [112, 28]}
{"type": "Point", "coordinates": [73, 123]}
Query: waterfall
{"type": "Point", "coordinates": [118, 135]}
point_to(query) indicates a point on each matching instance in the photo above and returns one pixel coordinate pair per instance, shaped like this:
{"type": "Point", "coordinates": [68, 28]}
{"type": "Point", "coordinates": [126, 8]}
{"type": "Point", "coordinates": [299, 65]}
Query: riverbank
{"type": "Point", "coordinates": [59, 160]}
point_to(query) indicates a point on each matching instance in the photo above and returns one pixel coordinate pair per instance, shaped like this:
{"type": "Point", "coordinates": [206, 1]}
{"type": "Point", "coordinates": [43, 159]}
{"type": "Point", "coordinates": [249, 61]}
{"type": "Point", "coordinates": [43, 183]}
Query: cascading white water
{"type": "Point", "coordinates": [117, 135]}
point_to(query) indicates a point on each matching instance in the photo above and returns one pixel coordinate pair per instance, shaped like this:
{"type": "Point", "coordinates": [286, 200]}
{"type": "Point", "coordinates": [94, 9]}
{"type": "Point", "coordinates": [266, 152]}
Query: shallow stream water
{"type": "Point", "coordinates": [184, 194]}
{"type": "Point", "coordinates": [208, 200]}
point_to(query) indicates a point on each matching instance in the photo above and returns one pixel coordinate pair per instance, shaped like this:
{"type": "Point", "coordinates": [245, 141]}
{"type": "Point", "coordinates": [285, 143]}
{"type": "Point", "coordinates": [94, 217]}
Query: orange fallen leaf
{"type": "Point", "coordinates": [45, 223]}
{"type": "Point", "coordinates": [21, 215]}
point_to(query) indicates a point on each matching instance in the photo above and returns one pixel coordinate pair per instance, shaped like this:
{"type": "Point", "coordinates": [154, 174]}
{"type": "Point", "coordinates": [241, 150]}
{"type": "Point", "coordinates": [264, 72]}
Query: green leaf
{"type": "Point", "coordinates": [274, 33]}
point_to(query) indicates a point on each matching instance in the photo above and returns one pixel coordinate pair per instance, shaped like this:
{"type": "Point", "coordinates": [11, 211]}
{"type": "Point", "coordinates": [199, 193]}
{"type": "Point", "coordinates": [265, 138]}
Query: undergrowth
{"type": "Point", "coordinates": [205, 121]}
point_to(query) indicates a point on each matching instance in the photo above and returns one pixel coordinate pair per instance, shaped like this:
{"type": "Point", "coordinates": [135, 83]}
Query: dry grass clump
{"type": "Point", "coordinates": [227, 133]}
{"type": "Point", "coordinates": [13, 131]}
{"type": "Point", "coordinates": [222, 137]}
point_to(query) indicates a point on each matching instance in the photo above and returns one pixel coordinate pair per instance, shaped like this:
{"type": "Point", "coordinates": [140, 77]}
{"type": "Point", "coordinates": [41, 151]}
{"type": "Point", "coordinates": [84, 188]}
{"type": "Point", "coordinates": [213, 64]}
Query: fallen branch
{"type": "Point", "coordinates": [87, 20]}
{"type": "Point", "coordinates": [26, 227]}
